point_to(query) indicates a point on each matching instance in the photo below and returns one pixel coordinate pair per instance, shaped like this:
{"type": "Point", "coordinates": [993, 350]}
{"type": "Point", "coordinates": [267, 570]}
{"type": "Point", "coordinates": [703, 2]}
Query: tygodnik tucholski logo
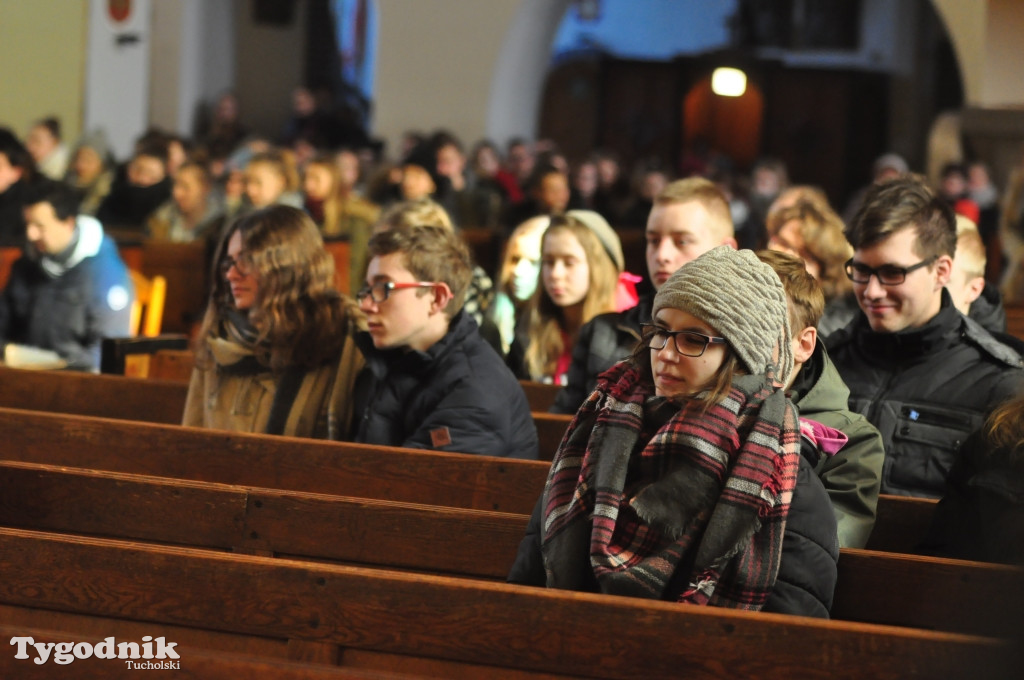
{"type": "Point", "coordinates": [63, 653]}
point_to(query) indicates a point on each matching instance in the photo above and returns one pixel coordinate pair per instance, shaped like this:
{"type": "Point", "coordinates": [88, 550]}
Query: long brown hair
{"type": "Point", "coordinates": [299, 316]}
{"type": "Point", "coordinates": [547, 320]}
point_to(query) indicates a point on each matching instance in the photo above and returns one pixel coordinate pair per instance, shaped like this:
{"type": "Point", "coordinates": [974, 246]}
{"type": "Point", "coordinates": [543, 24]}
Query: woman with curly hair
{"type": "Point", "coordinates": [810, 229]}
{"type": "Point", "coordinates": [275, 353]}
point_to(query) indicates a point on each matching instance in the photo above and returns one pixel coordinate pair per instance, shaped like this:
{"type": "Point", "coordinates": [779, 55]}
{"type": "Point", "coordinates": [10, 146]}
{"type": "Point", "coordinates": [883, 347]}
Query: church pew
{"type": "Point", "coordinates": [488, 626]}
{"type": "Point", "coordinates": [347, 469]}
{"type": "Point", "coordinates": [539, 395]}
{"type": "Point", "coordinates": [153, 401]}
{"type": "Point", "coordinates": [910, 591]}
{"type": "Point", "coordinates": [901, 523]}
{"type": "Point", "coordinates": [310, 465]}
{"type": "Point", "coordinates": [1015, 321]}
{"type": "Point", "coordinates": [105, 396]}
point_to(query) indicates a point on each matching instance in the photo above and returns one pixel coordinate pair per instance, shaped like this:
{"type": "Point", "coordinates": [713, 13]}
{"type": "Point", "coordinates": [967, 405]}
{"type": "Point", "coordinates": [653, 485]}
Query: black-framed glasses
{"type": "Point", "coordinates": [688, 343]}
{"type": "Point", "coordinates": [381, 290]}
{"type": "Point", "coordinates": [242, 265]}
{"type": "Point", "coordinates": [887, 274]}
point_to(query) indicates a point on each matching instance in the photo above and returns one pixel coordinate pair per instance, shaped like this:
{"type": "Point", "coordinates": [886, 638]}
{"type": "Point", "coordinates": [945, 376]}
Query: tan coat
{"type": "Point", "coordinates": [241, 403]}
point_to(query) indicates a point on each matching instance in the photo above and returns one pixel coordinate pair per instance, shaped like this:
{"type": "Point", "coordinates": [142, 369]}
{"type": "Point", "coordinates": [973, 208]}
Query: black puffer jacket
{"type": "Point", "coordinates": [810, 550]}
{"type": "Point", "coordinates": [456, 396]}
{"type": "Point", "coordinates": [603, 342]}
{"type": "Point", "coordinates": [925, 389]}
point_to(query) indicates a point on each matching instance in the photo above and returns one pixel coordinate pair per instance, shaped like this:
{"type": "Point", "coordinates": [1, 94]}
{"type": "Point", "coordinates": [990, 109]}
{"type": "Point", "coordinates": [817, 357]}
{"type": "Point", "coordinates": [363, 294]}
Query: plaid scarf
{"type": "Point", "coordinates": [653, 499]}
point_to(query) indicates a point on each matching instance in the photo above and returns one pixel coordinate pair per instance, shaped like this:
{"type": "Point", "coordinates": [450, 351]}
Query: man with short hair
{"type": "Point", "coordinates": [921, 372]}
{"type": "Point", "coordinates": [70, 289]}
{"type": "Point", "coordinates": [431, 381]}
{"type": "Point", "coordinates": [852, 475]}
{"type": "Point", "coordinates": [689, 218]}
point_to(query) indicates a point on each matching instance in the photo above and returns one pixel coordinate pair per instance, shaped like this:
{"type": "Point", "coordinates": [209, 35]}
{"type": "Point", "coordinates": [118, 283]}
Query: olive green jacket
{"type": "Point", "coordinates": [853, 476]}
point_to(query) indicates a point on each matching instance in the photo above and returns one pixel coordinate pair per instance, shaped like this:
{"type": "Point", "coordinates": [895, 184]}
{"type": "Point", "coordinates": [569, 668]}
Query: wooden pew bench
{"type": "Point", "coordinates": [346, 469]}
{"type": "Point", "coordinates": [872, 587]}
{"type": "Point", "coordinates": [152, 401]}
{"type": "Point", "coordinates": [309, 465]}
{"type": "Point", "coordinates": [67, 583]}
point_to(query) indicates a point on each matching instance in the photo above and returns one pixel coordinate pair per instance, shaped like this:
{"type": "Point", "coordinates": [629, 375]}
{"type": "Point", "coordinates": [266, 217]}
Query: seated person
{"type": "Point", "coordinates": [811, 230]}
{"type": "Point", "coordinates": [193, 211]}
{"type": "Point", "coordinates": [917, 369]}
{"type": "Point", "coordinates": [17, 171]}
{"type": "Point", "coordinates": [981, 515]}
{"type": "Point", "coordinates": [271, 178]}
{"type": "Point", "coordinates": [689, 218]}
{"type": "Point", "coordinates": [682, 478]}
{"type": "Point", "coordinates": [581, 258]}
{"type": "Point", "coordinates": [971, 293]}
{"type": "Point", "coordinates": [431, 381]}
{"type": "Point", "coordinates": [517, 278]}
{"type": "Point", "coordinates": [139, 188]}
{"type": "Point", "coordinates": [426, 212]}
{"type": "Point", "coordinates": [91, 171]}
{"type": "Point", "coordinates": [276, 352]}
{"type": "Point", "coordinates": [70, 289]}
{"type": "Point", "coordinates": [853, 474]}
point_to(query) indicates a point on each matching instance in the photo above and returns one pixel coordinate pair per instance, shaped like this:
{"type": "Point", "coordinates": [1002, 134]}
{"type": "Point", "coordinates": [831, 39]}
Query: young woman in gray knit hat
{"type": "Point", "coordinates": [676, 478]}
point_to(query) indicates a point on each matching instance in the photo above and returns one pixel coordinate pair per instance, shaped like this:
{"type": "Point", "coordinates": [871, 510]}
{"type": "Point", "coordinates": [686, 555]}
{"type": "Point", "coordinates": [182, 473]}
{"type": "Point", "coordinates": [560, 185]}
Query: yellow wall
{"type": "Point", "coordinates": [1002, 84]}
{"type": "Point", "coordinates": [42, 49]}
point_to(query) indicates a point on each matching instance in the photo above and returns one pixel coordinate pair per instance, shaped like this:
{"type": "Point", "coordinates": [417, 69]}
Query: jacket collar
{"type": "Point", "coordinates": [380, 361]}
{"type": "Point", "coordinates": [940, 332]}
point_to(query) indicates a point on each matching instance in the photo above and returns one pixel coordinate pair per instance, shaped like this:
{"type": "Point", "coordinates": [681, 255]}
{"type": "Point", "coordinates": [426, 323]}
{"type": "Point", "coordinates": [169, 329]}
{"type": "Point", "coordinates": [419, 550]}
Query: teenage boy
{"type": "Point", "coordinates": [431, 381]}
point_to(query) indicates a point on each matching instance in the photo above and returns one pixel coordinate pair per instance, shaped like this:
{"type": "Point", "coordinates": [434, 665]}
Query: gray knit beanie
{"type": "Point", "coordinates": [604, 233]}
{"type": "Point", "coordinates": [740, 297]}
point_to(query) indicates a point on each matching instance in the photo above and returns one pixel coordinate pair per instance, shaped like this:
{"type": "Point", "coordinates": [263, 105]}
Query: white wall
{"type": "Point", "coordinates": [117, 75]}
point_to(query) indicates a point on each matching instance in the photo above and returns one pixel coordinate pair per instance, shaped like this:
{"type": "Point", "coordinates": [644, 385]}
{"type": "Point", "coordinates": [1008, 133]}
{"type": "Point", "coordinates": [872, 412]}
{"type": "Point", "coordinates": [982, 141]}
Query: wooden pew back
{"type": "Point", "coordinates": [872, 588]}
{"type": "Point", "coordinates": [308, 465]}
{"type": "Point", "coordinates": [454, 620]}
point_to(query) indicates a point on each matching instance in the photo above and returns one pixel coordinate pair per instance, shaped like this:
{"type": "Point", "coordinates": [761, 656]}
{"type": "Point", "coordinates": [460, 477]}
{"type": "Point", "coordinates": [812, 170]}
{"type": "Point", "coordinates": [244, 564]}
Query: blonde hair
{"type": "Point", "coordinates": [547, 320]}
{"type": "Point", "coordinates": [970, 249]}
{"type": "Point", "coordinates": [414, 213]}
{"type": "Point", "coordinates": [706, 193]}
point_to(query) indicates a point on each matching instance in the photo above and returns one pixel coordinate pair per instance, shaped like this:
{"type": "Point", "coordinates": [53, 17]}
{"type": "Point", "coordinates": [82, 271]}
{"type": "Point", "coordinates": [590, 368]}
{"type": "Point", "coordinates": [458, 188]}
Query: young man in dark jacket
{"type": "Point", "coordinates": [690, 217]}
{"type": "Point", "coordinates": [921, 372]}
{"type": "Point", "coordinates": [431, 381]}
{"type": "Point", "coordinates": [70, 289]}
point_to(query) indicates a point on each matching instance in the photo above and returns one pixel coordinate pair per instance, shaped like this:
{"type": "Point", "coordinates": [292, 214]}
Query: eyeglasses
{"type": "Point", "coordinates": [688, 343]}
{"type": "Point", "coordinates": [241, 264]}
{"type": "Point", "coordinates": [887, 274]}
{"type": "Point", "coordinates": [381, 291]}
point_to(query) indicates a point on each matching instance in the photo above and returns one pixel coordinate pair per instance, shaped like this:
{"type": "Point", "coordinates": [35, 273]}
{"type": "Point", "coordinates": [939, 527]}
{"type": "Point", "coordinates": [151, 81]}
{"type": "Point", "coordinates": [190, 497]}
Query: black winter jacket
{"type": "Point", "coordinates": [925, 389]}
{"type": "Point", "coordinates": [456, 396]}
{"type": "Point", "coordinates": [603, 342]}
{"type": "Point", "coordinates": [810, 550]}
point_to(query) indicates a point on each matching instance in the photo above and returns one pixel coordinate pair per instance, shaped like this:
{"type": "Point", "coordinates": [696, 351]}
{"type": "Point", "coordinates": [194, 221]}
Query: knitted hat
{"type": "Point", "coordinates": [604, 232]}
{"type": "Point", "coordinates": [740, 297]}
